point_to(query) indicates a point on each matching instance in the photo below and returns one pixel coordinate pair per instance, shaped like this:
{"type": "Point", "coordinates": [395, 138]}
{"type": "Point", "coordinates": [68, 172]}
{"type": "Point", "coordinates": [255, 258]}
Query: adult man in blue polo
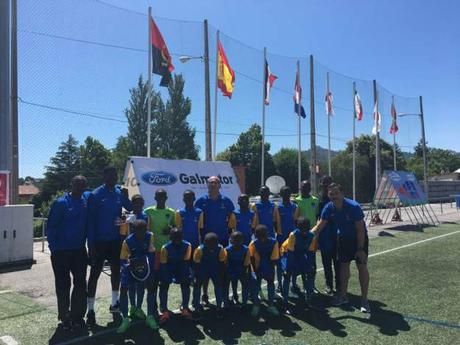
{"type": "Point", "coordinates": [352, 243]}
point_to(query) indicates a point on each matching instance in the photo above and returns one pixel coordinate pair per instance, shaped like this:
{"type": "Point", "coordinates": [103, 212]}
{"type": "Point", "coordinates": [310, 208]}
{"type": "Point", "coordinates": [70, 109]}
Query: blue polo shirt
{"type": "Point", "coordinates": [216, 213]}
{"type": "Point", "coordinates": [288, 215]}
{"type": "Point", "coordinates": [104, 206]}
{"type": "Point", "coordinates": [66, 228]}
{"type": "Point", "coordinates": [345, 218]}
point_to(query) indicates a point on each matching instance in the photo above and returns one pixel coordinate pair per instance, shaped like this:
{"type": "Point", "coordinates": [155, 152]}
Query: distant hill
{"type": "Point", "coordinates": [321, 154]}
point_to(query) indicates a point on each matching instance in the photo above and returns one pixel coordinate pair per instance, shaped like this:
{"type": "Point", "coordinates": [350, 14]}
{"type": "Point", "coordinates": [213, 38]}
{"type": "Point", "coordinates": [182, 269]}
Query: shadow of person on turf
{"type": "Point", "coordinates": [389, 322]}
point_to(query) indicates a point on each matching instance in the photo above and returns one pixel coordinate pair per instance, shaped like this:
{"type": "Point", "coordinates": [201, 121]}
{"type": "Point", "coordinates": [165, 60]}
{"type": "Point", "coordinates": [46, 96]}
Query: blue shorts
{"type": "Point", "coordinates": [127, 279]}
{"type": "Point", "coordinates": [177, 275]}
{"type": "Point", "coordinates": [295, 265]}
{"type": "Point", "coordinates": [266, 270]}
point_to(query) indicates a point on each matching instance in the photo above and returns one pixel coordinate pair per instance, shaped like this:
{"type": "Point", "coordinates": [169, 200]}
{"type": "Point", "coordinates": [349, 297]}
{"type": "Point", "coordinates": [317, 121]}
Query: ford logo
{"type": "Point", "coordinates": [159, 178]}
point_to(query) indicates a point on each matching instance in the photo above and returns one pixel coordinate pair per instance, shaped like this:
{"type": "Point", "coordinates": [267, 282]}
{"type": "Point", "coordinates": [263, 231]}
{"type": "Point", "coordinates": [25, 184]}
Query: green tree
{"type": "Point", "coordinates": [173, 137]}
{"type": "Point", "coordinates": [94, 157]}
{"type": "Point", "coordinates": [120, 154]}
{"type": "Point", "coordinates": [286, 165]}
{"type": "Point", "coordinates": [247, 152]}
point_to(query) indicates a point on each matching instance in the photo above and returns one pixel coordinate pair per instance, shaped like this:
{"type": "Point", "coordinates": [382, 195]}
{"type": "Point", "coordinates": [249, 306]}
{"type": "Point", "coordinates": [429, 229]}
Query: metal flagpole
{"type": "Point", "coordinates": [394, 135]}
{"type": "Point", "coordinates": [377, 138]}
{"type": "Point", "coordinates": [207, 94]}
{"type": "Point", "coordinates": [328, 130]}
{"type": "Point", "coordinates": [354, 142]}
{"type": "Point", "coordinates": [262, 169]}
{"type": "Point", "coordinates": [149, 85]}
{"type": "Point", "coordinates": [214, 152]}
{"type": "Point", "coordinates": [312, 128]}
{"type": "Point", "coordinates": [425, 162]}
{"type": "Point", "coordinates": [299, 157]}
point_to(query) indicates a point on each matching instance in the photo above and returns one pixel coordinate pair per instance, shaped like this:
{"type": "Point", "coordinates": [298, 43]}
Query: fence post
{"type": "Point", "coordinates": [43, 235]}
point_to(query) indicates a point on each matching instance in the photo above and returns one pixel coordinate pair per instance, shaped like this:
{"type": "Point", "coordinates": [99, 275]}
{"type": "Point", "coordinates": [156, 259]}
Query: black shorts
{"type": "Point", "coordinates": [347, 247]}
{"type": "Point", "coordinates": [109, 251]}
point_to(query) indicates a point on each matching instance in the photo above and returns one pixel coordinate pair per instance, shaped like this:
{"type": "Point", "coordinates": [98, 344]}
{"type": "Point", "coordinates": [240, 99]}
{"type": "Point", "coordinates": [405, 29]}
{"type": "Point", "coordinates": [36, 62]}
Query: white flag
{"type": "Point", "coordinates": [377, 120]}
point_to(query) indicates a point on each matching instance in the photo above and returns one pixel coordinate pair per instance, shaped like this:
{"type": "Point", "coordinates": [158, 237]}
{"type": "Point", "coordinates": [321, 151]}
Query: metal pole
{"type": "Point", "coordinates": [207, 94]}
{"type": "Point", "coordinates": [328, 131]}
{"type": "Point", "coordinates": [14, 189]}
{"type": "Point", "coordinates": [262, 169]}
{"type": "Point", "coordinates": [312, 128]}
{"type": "Point", "coordinates": [354, 142]}
{"type": "Point", "coordinates": [425, 162]}
{"type": "Point", "coordinates": [377, 140]}
{"type": "Point", "coordinates": [215, 99]}
{"type": "Point", "coordinates": [43, 235]}
{"type": "Point", "coordinates": [394, 138]}
{"type": "Point", "coordinates": [149, 85]}
{"type": "Point", "coordinates": [299, 154]}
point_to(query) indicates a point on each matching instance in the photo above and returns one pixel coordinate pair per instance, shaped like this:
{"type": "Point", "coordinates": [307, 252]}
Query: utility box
{"type": "Point", "coordinates": [16, 237]}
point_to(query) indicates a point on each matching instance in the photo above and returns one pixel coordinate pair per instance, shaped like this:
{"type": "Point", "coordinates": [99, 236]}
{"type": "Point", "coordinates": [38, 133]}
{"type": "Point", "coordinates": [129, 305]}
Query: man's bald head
{"type": "Point", "coordinates": [213, 186]}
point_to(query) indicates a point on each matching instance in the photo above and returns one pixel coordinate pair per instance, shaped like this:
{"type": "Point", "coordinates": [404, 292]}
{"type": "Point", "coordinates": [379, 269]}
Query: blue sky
{"type": "Point", "coordinates": [83, 56]}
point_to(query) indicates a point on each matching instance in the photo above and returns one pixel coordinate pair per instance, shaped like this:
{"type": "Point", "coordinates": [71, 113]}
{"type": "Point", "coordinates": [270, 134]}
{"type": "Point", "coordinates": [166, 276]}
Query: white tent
{"type": "Point", "coordinates": [145, 175]}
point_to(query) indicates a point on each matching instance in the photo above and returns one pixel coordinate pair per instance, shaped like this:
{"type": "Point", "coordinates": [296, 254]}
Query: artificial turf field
{"type": "Point", "coordinates": [414, 296]}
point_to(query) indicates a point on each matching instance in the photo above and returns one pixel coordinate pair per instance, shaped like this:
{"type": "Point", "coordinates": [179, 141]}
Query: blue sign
{"type": "Point", "coordinates": [159, 178]}
{"type": "Point", "coordinates": [407, 188]}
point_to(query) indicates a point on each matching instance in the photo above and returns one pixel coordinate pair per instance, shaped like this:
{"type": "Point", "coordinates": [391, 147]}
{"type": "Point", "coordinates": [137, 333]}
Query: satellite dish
{"type": "Point", "coordinates": [275, 183]}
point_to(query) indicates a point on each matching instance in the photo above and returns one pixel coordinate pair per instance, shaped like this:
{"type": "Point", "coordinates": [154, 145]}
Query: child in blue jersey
{"type": "Point", "coordinates": [267, 212]}
{"type": "Point", "coordinates": [209, 263]}
{"type": "Point", "coordinates": [243, 219]}
{"type": "Point", "coordinates": [175, 268]}
{"type": "Point", "coordinates": [190, 220]}
{"type": "Point", "coordinates": [288, 213]}
{"type": "Point", "coordinates": [135, 291]}
{"type": "Point", "coordinates": [238, 269]}
{"type": "Point", "coordinates": [137, 259]}
{"type": "Point", "coordinates": [296, 259]}
{"type": "Point", "coordinates": [264, 253]}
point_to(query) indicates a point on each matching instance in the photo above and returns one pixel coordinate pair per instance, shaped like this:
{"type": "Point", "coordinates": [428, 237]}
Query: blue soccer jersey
{"type": "Point", "coordinates": [237, 261]}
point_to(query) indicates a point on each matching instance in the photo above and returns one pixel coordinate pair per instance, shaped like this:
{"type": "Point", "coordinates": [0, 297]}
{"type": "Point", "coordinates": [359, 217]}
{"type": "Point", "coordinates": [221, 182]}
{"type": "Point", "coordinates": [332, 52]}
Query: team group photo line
{"type": "Point", "coordinates": [241, 250]}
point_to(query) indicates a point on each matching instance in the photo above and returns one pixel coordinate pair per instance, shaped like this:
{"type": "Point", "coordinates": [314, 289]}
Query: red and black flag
{"type": "Point", "coordinates": [161, 59]}
{"type": "Point", "coordinates": [269, 79]}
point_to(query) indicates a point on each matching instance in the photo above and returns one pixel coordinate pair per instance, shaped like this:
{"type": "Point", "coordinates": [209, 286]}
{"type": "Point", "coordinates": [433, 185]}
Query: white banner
{"type": "Point", "coordinates": [145, 175]}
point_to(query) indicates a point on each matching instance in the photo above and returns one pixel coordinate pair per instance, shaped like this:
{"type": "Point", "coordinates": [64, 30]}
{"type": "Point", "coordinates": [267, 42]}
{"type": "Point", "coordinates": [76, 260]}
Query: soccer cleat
{"type": "Point", "coordinates": [124, 325]}
{"type": "Point", "coordinates": [164, 317]}
{"type": "Point", "coordinates": [66, 325]}
{"type": "Point", "coordinates": [340, 300]}
{"type": "Point", "coordinates": [365, 307]}
{"type": "Point", "coordinates": [115, 308]}
{"type": "Point", "coordinates": [78, 323]}
{"type": "Point", "coordinates": [329, 291]}
{"type": "Point", "coordinates": [197, 314]}
{"type": "Point", "coordinates": [132, 312]}
{"type": "Point", "coordinates": [91, 318]}
{"type": "Point", "coordinates": [186, 313]}
{"type": "Point", "coordinates": [273, 311]}
{"type": "Point", "coordinates": [236, 299]}
{"type": "Point", "coordinates": [205, 300]}
{"type": "Point", "coordinates": [139, 314]}
{"type": "Point", "coordinates": [285, 309]}
{"type": "Point", "coordinates": [151, 322]}
{"type": "Point", "coordinates": [255, 311]}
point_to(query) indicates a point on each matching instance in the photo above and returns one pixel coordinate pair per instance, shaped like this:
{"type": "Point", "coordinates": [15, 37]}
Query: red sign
{"type": "Point", "coordinates": [4, 192]}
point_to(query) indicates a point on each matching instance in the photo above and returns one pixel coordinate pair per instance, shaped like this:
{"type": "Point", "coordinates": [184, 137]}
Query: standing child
{"type": "Point", "coordinates": [190, 220]}
{"type": "Point", "coordinates": [267, 212]}
{"type": "Point", "coordinates": [288, 213]}
{"type": "Point", "coordinates": [137, 260]}
{"type": "Point", "coordinates": [238, 269]}
{"type": "Point", "coordinates": [296, 259]}
{"type": "Point", "coordinates": [160, 221]}
{"type": "Point", "coordinates": [264, 252]}
{"type": "Point", "coordinates": [136, 290]}
{"type": "Point", "coordinates": [243, 219]}
{"type": "Point", "coordinates": [209, 263]}
{"type": "Point", "coordinates": [175, 268]}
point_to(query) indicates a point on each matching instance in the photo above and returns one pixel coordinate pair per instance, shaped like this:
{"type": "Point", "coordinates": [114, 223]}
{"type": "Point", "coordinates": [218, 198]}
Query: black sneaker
{"type": "Point", "coordinates": [66, 325]}
{"type": "Point", "coordinates": [329, 291]}
{"type": "Point", "coordinates": [91, 318]}
{"type": "Point", "coordinates": [236, 299]}
{"type": "Point", "coordinates": [78, 323]}
{"type": "Point", "coordinates": [205, 300]}
{"type": "Point", "coordinates": [197, 314]}
{"type": "Point", "coordinates": [114, 309]}
{"type": "Point", "coordinates": [285, 309]}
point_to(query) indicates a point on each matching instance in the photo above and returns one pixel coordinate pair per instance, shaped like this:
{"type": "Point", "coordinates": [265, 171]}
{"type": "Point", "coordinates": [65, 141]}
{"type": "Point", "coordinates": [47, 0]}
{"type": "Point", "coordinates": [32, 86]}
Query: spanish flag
{"type": "Point", "coordinates": [225, 74]}
{"type": "Point", "coordinates": [161, 59]}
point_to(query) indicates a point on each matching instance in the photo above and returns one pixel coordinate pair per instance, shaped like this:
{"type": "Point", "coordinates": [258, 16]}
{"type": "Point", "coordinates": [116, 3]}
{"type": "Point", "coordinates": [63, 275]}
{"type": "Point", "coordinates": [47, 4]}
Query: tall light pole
{"type": "Point", "coordinates": [207, 94]}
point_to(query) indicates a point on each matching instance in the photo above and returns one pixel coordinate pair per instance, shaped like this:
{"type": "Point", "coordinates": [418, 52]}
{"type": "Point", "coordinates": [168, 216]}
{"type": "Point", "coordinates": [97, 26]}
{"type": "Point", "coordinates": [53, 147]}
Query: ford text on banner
{"type": "Point", "coordinates": [146, 175]}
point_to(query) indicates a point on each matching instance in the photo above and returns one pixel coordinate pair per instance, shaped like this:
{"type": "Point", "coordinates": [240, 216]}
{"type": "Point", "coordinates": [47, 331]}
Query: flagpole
{"type": "Point", "coordinates": [354, 141]}
{"type": "Point", "coordinates": [215, 98]}
{"type": "Point", "coordinates": [425, 161]}
{"type": "Point", "coordinates": [377, 138]}
{"type": "Point", "coordinates": [328, 129]}
{"type": "Point", "coordinates": [207, 93]}
{"type": "Point", "coordinates": [262, 169]}
{"type": "Point", "coordinates": [299, 157]}
{"type": "Point", "coordinates": [394, 135]}
{"type": "Point", "coordinates": [312, 128]}
{"type": "Point", "coordinates": [149, 84]}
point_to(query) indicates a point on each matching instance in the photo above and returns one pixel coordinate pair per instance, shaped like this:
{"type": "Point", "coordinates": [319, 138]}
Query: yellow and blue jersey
{"type": "Point", "coordinates": [288, 213]}
{"type": "Point", "coordinates": [265, 254]}
{"type": "Point", "coordinates": [191, 222]}
{"type": "Point", "coordinates": [268, 215]}
{"type": "Point", "coordinates": [209, 261]}
{"type": "Point", "coordinates": [238, 261]}
{"type": "Point", "coordinates": [244, 222]}
{"type": "Point", "coordinates": [296, 251]}
{"type": "Point", "coordinates": [175, 262]}
{"type": "Point", "coordinates": [133, 248]}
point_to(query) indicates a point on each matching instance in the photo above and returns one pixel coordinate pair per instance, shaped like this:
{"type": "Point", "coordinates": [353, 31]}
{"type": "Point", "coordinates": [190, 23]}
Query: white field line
{"type": "Point", "coordinates": [8, 340]}
{"type": "Point", "coordinates": [5, 291]}
{"type": "Point", "coordinates": [111, 330]}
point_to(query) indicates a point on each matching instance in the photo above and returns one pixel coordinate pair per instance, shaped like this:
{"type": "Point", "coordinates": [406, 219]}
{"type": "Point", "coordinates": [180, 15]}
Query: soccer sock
{"type": "Point", "coordinates": [124, 303]}
{"type": "Point", "coordinates": [151, 305]}
{"type": "Point", "coordinates": [271, 292]}
{"type": "Point", "coordinates": [185, 289]}
{"type": "Point", "coordinates": [286, 282]}
{"type": "Point", "coordinates": [90, 303]}
{"type": "Point", "coordinates": [132, 295]}
{"type": "Point", "coordinates": [163, 297]}
{"type": "Point", "coordinates": [140, 291]}
{"type": "Point", "coordinates": [196, 295]}
{"type": "Point", "coordinates": [244, 291]}
{"type": "Point", "coordinates": [115, 297]}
